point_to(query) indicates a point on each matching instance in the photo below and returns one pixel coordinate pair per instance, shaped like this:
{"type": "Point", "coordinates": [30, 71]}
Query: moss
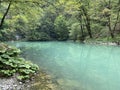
{"type": "Point", "coordinates": [11, 63]}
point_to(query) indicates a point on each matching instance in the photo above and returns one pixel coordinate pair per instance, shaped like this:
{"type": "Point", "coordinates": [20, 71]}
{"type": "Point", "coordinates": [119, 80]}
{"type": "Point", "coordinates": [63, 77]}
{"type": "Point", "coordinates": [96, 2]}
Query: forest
{"type": "Point", "coordinates": [59, 44]}
{"type": "Point", "coordinates": [46, 20]}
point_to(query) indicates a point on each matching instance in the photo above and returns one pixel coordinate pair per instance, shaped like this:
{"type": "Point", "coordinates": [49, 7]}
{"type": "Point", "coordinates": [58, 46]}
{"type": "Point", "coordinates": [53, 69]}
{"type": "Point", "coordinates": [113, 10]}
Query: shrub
{"type": "Point", "coordinates": [11, 63]}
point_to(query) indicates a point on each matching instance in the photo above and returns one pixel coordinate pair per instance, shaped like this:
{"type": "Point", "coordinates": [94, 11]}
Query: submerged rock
{"type": "Point", "coordinates": [43, 81]}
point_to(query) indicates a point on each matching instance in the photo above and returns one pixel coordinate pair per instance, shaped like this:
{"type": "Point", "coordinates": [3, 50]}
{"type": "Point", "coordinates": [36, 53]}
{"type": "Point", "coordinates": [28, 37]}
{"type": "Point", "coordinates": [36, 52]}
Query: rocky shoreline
{"type": "Point", "coordinates": [12, 84]}
{"type": "Point", "coordinates": [42, 81]}
{"type": "Point", "coordinates": [103, 43]}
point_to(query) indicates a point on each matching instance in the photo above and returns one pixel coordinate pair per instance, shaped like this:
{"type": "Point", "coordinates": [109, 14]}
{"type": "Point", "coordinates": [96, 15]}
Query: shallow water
{"type": "Point", "coordinates": [76, 66]}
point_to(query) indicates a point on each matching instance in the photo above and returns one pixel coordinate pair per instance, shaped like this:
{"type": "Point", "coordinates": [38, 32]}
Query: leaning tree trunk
{"type": "Point", "coordinates": [5, 14]}
{"type": "Point", "coordinates": [87, 20]}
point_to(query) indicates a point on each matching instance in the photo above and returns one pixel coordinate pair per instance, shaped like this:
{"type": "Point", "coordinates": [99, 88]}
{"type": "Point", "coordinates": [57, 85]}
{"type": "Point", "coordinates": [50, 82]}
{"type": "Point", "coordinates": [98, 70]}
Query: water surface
{"type": "Point", "coordinates": [76, 66]}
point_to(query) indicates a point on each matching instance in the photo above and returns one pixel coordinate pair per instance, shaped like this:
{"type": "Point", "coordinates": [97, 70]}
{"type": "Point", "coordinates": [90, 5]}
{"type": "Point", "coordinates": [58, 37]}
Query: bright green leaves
{"type": "Point", "coordinates": [13, 51]}
{"type": "Point", "coordinates": [11, 63]}
{"type": "Point", "coordinates": [7, 51]}
{"type": "Point", "coordinates": [5, 56]}
{"type": "Point", "coordinates": [23, 77]}
{"type": "Point", "coordinates": [7, 72]}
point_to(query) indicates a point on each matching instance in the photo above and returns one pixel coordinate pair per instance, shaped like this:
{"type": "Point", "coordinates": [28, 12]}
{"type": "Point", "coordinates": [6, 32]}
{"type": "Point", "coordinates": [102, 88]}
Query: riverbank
{"type": "Point", "coordinates": [102, 42]}
{"type": "Point", "coordinates": [12, 84]}
{"type": "Point", "coordinates": [42, 81]}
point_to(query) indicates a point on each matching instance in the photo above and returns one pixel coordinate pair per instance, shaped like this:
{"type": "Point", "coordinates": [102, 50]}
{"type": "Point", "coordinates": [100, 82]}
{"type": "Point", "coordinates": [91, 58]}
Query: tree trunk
{"type": "Point", "coordinates": [110, 29]}
{"type": "Point", "coordinates": [87, 20]}
{"type": "Point", "coordinates": [82, 38]}
{"type": "Point", "coordinates": [80, 18]}
{"type": "Point", "coordinates": [118, 15]}
{"type": "Point", "coordinates": [109, 21]}
{"type": "Point", "coordinates": [5, 14]}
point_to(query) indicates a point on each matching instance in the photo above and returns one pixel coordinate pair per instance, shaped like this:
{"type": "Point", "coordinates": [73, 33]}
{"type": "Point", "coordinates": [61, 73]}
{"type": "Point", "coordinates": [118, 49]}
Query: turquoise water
{"type": "Point", "coordinates": [76, 66]}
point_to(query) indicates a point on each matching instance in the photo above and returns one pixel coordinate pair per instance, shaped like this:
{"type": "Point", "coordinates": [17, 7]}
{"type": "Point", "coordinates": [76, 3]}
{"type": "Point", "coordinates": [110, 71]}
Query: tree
{"type": "Point", "coordinates": [5, 14]}
{"type": "Point", "coordinates": [75, 32]}
{"type": "Point", "coordinates": [97, 19]}
{"type": "Point", "coordinates": [61, 28]}
{"type": "Point", "coordinates": [84, 9]}
{"type": "Point", "coordinates": [20, 17]}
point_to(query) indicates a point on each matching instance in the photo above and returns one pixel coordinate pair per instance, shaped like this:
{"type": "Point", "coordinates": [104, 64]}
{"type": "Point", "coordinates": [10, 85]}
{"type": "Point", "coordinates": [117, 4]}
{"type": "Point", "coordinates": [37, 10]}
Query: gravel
{"type": "Point", "coordinates": [13, 84]}
{"type": "Point", "coordinates": [41, 81]}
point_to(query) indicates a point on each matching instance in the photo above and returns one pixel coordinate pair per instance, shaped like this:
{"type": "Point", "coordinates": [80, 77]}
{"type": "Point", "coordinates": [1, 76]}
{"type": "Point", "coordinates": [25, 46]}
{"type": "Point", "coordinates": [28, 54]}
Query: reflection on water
{"type": "Point", "coordinates": [76, 66]}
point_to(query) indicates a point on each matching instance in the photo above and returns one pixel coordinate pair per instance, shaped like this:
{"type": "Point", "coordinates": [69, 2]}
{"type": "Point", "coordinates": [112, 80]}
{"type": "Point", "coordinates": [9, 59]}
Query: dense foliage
{"type": "Point", "coordinates": [41, 20]}
{"type": "Point", "coordinates": [11, 63]}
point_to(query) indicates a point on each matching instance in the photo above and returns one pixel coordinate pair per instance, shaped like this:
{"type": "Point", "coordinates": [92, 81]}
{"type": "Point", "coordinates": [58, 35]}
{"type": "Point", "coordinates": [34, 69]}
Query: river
{"type": "Point", "coordinates": [76, 66]}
